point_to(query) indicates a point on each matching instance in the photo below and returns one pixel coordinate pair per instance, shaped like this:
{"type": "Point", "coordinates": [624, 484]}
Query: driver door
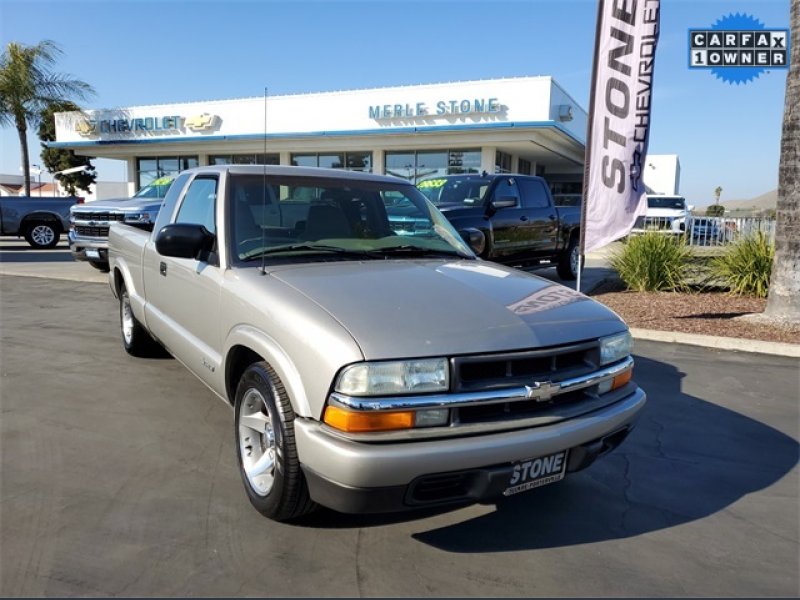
{"type": "Point", "coordinates": [184, 294]}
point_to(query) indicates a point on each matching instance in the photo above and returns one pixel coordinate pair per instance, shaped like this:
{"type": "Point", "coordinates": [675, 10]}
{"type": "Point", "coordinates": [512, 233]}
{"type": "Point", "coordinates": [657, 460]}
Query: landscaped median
{"type": "Point", "coordinates": [696, 309]}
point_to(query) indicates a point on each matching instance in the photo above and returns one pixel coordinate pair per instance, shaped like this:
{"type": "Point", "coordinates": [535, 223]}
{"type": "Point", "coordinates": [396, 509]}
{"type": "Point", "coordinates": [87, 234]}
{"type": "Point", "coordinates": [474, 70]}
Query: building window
{"type": "Point", "coordinates": [245, 159]}
{"type": "Point", "coordinates": [351, 161]}
{"type": "Point", "coordinates": [502, 162]}
{"type": "Point", "coordinates": [418, 165]}
{"type": "Point", "coordinates": [524, 167]}
{"type": "Point", "coordinates": [151, 168]}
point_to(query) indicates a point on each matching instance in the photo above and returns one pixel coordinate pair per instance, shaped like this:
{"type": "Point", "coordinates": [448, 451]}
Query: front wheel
{"type": "Point", "coordinates": [265, 443]}
{"type": "Point", "coordinates": [42, 235]}
{"type": "Point", "coordinates": [568, 262]}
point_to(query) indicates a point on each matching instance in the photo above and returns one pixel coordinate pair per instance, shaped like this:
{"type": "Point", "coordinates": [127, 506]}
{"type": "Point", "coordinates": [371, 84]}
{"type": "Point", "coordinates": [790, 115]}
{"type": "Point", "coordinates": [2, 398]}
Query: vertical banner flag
{"type": "Point", "coordinates": [619, 119]}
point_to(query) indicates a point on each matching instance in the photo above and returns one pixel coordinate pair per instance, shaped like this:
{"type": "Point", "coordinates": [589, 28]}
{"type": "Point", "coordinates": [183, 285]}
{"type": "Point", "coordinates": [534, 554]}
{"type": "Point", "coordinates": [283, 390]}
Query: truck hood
{"type": "Point", "coordinates": [126, 204]}
{"type": "Point", "coordinates": [417, 308]}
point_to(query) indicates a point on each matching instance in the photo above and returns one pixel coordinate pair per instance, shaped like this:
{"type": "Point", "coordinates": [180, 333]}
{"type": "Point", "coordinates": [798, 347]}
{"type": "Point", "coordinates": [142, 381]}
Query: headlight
{"type": "Point", "coordinates": [615, 347]}
{"type": "Point", "coordinates": [137, 218]}
{"type": "Point", "coordinates": [401, 377]}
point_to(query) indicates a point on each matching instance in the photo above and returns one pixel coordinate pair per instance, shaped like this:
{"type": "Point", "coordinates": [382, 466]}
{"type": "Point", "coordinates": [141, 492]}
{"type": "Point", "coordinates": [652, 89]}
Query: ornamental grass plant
{"type": "Point", "coordinates": [747, 265]}
{"type": "Point", "coordinates": [653, 262]}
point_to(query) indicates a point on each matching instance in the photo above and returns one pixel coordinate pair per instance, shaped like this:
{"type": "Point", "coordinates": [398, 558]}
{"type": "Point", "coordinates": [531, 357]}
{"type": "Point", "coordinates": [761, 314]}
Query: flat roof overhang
{"type": "Point", "coordinates": [545, 142]}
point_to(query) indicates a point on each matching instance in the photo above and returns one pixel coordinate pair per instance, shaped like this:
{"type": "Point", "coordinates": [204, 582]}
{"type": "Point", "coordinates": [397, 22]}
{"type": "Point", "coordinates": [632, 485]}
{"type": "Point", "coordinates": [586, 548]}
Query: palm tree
{"type": "Point", "coordinates": [784, 288]}
{"type": "Point", "coordinates": [27, 86]}
{"type": "Point", "coordinates": [717, 194]}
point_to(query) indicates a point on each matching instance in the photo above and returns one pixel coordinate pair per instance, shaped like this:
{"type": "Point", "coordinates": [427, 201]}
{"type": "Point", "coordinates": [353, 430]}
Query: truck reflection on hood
{"type": "Point", "coordinates": [545, 299]}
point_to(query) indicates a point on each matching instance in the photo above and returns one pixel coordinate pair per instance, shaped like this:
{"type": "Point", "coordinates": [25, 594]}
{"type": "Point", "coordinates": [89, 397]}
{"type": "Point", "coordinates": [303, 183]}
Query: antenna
{"type": "Point", "coordinates": [264, 192]}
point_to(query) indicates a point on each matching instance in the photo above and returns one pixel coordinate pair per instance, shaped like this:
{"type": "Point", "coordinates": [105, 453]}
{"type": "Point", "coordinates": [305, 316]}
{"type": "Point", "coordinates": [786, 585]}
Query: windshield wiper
{"type": "Point", "coordinates": [408, 250]}
{"type": "Point", "coordinates": [257, 254]}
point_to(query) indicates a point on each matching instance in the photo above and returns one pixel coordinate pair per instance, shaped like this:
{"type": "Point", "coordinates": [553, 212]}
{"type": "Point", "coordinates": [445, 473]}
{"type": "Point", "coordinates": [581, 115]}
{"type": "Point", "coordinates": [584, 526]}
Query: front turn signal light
{"type": "Point", "coordinates": [616, 382]}
{"type": "Point", "coordinates": [351, 421]}
{"type": "Point", "coordinates": [622, 379]}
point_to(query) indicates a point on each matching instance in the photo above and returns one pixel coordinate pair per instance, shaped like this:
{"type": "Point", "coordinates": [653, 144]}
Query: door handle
{"type": "Point", "coordinates": [523, 218]}
{"type": "Point", "coordinates": [162, 268]}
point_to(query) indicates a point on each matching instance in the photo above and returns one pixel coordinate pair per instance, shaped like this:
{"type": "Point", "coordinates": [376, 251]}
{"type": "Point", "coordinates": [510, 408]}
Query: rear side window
{"type": "Point", "coordinates": [534, 194]}
{"type": "Point", "coordinates": [199, 204]}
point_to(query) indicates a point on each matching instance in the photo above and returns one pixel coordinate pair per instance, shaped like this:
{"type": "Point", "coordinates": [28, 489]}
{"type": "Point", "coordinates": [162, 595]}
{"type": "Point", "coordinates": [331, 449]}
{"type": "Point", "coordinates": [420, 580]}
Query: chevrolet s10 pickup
{"type": "Point", "coordinates": [369, 370]}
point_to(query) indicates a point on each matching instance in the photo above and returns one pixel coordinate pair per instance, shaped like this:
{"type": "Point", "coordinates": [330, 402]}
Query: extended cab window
{"type": "Point", "coordinates": [199, 204]}
{"type": "Point", "coordinates": [534, 194]}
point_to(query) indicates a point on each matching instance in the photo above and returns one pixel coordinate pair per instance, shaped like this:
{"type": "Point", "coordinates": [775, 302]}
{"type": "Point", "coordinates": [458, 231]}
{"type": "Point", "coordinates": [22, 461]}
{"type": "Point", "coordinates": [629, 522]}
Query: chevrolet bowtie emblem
{"type": "Point", "coordinates": [541, 391]}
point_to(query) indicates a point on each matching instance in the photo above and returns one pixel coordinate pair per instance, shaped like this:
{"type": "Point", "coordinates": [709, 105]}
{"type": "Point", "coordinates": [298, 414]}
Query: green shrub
{"type": "Point", "coordinates": [715, 210]}
{"type": "Point", "coordinates": [653, 262]}
{"type": "Point", "coordinates": [747, 265]}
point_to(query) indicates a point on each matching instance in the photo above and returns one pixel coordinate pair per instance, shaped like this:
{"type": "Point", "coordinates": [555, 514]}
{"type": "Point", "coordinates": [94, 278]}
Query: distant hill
{"type": "Point", "coordinates": [766, 201]}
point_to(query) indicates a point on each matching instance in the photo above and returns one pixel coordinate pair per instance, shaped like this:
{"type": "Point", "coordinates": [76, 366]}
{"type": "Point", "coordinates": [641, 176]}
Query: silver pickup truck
{"type": "Point", "coordinates": [39, 219]}
{"type": "Point", "coordinates": [89, 223]}
{"type": "Point", "coordinates": [369, 370]}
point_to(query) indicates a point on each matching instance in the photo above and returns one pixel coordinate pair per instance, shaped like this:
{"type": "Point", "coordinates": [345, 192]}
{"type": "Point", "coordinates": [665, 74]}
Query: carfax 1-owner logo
{"type": "Point", "coordinates": [738, 48]}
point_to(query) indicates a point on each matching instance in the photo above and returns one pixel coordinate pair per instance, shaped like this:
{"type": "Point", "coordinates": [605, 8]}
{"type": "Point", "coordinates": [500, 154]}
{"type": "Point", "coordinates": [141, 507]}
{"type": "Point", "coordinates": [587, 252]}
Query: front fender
{"type": "Point", "coordinates": [266, 347]}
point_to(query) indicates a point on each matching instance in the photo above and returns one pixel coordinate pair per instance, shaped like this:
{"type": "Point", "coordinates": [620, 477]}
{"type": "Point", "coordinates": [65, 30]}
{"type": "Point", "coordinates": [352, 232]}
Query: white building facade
{"type": "Point", "coordinates": [524, 125]}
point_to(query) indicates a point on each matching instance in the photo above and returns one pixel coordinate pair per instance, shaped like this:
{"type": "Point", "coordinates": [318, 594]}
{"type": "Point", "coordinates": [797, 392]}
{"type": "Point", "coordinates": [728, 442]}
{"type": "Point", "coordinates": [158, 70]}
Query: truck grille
{"type": "Point", "coordinates": [91, 230]}
{"type": "Point", "coordinates": [98, 216]}
{"type": "Point", "coordinates": [492, 371]}
{"type": "Point", "coordinates": [497, 371]}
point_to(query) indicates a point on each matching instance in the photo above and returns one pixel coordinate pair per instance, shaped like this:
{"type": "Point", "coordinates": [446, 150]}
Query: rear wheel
{"type": "Point", "coordinates": [568, 262]}
{"type": "Point", "coordinates": [136, 341]}
{"type": "Point", "coordinates": [42, 235]}
{"type": "Point", "coordinates": [265, 444]}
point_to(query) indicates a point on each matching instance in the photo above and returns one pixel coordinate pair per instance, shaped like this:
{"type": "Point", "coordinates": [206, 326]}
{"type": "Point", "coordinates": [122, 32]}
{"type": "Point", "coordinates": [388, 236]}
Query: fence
{"type": "Point", "coordinates": [708, 231]}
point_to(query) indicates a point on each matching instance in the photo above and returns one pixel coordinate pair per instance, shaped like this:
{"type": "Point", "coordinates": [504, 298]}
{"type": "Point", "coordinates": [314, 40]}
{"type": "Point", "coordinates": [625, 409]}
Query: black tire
{"type": "Point", "coordinates": [278, 492]}
{"type": "Point", "coordinates": [567, 267]}
{"type": "Point", "coordinates": [136, 341]}
{"type": "Point", "coordinates": [100, 265]}
{"type": "Point", "coordinates": [42, 235]}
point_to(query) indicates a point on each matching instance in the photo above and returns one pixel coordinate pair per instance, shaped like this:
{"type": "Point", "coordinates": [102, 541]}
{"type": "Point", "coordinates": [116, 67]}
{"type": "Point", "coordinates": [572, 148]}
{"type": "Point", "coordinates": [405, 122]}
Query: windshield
{"type": "Point", "coordinates": [666, 202]}
{"type": "Point", "coordinates": [469, 191]}
{"type": "Point", "coordinates": [155, 189]}
{"type": "Point", "coordinates": [290, 217]}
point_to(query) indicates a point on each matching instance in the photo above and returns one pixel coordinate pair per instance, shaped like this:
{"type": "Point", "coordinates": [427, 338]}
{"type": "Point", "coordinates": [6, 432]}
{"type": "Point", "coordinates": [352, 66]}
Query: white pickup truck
{"type": "Point", "coordinates": [665, 214]}
{"type": "Point", "coordinates": [369, 369]}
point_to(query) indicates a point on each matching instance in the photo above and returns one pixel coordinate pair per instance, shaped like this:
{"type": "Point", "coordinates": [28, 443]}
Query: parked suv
{"type": "Point", "coordinates": [89, 223]}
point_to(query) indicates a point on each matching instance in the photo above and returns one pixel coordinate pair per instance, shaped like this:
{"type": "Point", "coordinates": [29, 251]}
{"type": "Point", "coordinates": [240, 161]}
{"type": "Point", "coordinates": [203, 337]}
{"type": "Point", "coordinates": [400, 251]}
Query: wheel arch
{"type": "Point", "coordinates": [41, 217]}
{"type": "Point", "coordinates": [247, 345]}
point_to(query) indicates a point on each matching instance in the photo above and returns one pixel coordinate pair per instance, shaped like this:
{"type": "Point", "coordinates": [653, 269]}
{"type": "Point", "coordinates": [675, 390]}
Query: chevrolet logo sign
{"type": "Point", "coordinates": [542, 391]}
{"type": "Point", "coordinates": [200, 122]}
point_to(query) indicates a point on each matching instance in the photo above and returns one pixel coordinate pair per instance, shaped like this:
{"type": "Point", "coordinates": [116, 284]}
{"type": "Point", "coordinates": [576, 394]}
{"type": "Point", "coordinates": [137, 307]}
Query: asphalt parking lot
{"type": "Point", "coordinates": [118, 477]}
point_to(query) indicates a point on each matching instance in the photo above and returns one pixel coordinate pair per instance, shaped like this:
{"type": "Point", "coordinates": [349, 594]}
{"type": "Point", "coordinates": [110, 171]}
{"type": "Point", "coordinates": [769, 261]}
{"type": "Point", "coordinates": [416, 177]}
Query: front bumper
{"type": "Point", "coordinates": [78, 247]}
{"type": "Point", "coordinates": [354, 476]}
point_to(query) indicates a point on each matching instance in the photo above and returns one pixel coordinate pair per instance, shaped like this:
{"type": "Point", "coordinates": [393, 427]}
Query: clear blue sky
{"type": "Point", "coordinates": [171, 51]}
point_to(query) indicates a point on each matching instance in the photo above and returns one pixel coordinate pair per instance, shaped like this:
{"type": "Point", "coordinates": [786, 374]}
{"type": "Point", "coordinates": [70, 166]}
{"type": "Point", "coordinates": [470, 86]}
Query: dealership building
{"type": "Point", "coordinates": [522, 125]}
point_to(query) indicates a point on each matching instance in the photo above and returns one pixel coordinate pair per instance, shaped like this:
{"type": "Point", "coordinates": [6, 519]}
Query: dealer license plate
{"type": "Point", "coordinates": [536, 472]}
{"type": "Point", "coordinates": [92, 253]}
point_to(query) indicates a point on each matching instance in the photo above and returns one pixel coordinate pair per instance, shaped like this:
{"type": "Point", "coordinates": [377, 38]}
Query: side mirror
{"type": "Point", "coordinates": [690, 208]}
{"type": "Point", "coordinates": [474, 238]}
{"type": "Point", "coordinates": [184, 240]}
{"type": "Point", "coordinates": [504, 202]}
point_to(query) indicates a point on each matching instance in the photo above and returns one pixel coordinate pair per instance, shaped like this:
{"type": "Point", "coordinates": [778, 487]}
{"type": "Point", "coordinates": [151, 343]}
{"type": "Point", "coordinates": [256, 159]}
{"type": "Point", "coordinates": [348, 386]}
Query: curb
{"type": "Point", "coordinates": [720, 343]}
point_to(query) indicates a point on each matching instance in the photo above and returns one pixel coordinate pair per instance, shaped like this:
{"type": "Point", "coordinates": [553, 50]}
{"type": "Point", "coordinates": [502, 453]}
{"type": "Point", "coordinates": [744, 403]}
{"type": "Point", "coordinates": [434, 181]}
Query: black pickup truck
{"type": "Point", "coordinates": [516, 213]}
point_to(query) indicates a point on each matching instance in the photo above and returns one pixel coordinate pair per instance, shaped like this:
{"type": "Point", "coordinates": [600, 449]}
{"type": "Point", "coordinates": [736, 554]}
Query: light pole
{"type": "Point", "coordinates": [38, 171]}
